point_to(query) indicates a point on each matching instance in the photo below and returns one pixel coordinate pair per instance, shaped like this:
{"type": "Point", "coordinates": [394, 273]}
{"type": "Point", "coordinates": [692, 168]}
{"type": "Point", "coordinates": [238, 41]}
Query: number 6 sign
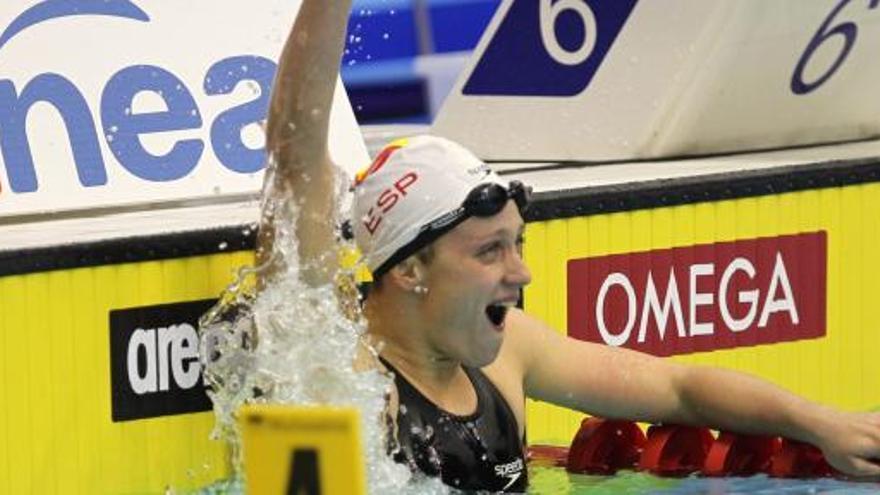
{"type": "Point", "coordinates": [550, 13]}
{"type": "Point", "coordinates": [848, 30]}
{"type": "Point", "coordinates": [549, 47]}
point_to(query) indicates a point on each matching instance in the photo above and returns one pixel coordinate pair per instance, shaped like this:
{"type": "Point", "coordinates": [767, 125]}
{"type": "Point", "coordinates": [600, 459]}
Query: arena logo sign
{"type": "Point", "coordinates": [154, 360]}
{"type": "Point", "coordinates": [121, 126]}
{"type": "Point", "coordinates": [703, 297]}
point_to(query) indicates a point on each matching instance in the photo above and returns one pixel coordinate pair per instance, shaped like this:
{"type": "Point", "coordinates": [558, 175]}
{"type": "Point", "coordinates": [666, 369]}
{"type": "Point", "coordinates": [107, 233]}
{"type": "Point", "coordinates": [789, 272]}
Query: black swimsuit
{"type": "Point", "coordinates": [481, 451]}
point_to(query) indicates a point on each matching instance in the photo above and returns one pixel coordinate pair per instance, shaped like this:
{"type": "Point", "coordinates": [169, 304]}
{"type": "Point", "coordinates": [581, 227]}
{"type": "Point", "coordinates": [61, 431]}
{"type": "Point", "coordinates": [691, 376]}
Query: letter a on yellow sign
{"type": "Point", "coordinates": [302, 450]}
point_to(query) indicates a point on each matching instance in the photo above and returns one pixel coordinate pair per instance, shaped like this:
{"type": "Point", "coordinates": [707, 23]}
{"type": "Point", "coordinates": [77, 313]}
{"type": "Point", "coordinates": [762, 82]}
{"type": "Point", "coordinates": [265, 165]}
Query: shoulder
{"type": "Point", "coordinates": [524, 337]}
{"type": "Point", "coordinates": [509, 370]}
{"type": "Point", "coordinates": [533, 348]}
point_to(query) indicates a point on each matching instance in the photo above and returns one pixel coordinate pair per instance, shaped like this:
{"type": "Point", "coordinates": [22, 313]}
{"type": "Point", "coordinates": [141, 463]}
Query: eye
{"type": "Point", "coordinates": [520, 242]}
{"type": "Point", "coordinates": [489, 250]}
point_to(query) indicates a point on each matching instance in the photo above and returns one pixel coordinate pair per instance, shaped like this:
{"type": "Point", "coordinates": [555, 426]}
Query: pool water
{"type": "Point", "coordinates": [555, 480]}
{"type": "Point", "coordinates": [549, 480]}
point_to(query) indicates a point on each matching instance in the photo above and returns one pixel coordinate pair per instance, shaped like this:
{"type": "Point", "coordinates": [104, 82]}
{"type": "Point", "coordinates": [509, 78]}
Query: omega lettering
{"type": "Point", "coordinates": [778, 299]}
{"type": "Point", "coordinates": [704, 297]}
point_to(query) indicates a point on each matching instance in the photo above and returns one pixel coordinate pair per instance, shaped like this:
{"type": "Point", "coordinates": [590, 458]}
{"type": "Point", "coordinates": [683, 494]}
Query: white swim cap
{"type": "Point", "coordinates": [413, 192]}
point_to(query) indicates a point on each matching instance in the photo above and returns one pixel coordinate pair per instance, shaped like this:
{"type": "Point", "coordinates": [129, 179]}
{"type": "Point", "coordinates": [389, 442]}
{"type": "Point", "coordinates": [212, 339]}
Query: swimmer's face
{"type": "Point", "coordinates": [475, 275]}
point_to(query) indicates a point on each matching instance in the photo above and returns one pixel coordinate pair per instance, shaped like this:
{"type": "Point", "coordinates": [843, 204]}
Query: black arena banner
{"type": "Point", "coordinates": [154, 361]}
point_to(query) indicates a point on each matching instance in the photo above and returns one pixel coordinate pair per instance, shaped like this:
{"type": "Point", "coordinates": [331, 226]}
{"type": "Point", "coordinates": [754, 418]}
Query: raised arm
{"type": "Point", "coordinates": [296, 137]}
{"type": "Point", "coordinates": [619, 383]}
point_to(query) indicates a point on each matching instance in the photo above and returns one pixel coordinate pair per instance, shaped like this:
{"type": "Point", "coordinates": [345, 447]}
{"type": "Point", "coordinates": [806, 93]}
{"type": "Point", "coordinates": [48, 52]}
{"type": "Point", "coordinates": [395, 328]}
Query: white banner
{"type": "Point", "coordinates": [107, 103]}
{"type": "Point", "coordinates": [585, 80]}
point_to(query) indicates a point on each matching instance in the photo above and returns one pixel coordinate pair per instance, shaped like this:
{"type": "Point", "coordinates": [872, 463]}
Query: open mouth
{"type": "Point", "coordinates": [496, 314]}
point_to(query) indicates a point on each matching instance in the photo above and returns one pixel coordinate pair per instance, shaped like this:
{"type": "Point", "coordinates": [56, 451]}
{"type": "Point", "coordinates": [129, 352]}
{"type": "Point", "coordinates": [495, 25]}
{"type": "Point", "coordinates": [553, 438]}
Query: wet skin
{"type": "Point", "coordinates": [476, 264]}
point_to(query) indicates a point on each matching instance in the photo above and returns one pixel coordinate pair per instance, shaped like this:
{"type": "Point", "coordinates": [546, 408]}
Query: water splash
{"type": "Point", "coordinates": [293, 343]}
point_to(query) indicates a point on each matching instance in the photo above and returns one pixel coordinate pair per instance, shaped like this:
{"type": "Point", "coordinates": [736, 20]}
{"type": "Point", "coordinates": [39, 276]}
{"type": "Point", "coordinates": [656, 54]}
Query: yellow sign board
{"type": "Point", "coordinates": [837, 367]}
{"type": "Point", "coordinates": [302, 450]}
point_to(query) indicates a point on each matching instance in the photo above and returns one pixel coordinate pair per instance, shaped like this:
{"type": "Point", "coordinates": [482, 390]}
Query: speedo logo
{"type": "Point", "coordinates": [481, 169]}
{"type": "Point", "coordinates": [154, 359]}
{"type": "Point", "coordinates": [116, 119]}
{"type": "Point", "coordinates": [512, 471]}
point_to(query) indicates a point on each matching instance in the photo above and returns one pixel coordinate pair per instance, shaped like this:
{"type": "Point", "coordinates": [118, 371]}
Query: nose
{"type": "Point", "coordinates": [518, 272]}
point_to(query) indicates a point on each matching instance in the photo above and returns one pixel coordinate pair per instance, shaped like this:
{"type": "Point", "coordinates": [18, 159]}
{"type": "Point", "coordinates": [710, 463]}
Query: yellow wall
{"type": "Point", "coordinates": [56, 435]}
{"type": "Point", "coordinates": [56, 432]}
{"type": "Point", "coordinates": [840, 369]}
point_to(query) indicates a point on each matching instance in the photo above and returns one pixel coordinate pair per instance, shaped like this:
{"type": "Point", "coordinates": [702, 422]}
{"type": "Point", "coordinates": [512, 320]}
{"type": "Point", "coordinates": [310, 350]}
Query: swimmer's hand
{"type": "Point", "coordinates": [851, 443]}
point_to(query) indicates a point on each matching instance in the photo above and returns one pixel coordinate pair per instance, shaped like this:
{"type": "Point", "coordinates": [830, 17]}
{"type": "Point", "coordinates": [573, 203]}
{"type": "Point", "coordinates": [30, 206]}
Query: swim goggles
{"type": "Point", "coordinates": [485, 200]}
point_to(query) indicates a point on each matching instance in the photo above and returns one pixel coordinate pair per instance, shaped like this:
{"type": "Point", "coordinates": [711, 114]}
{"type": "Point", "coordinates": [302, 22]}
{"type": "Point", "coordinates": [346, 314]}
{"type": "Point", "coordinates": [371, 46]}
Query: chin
{"type": "Point", "coordinates": [488, 355]}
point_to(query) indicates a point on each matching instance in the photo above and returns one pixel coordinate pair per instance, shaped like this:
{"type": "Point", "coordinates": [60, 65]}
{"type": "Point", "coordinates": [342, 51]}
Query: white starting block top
{"type": "Point", "coordinates": [243, 212]}
{"type": "Point", "coordinates": [637, 79]}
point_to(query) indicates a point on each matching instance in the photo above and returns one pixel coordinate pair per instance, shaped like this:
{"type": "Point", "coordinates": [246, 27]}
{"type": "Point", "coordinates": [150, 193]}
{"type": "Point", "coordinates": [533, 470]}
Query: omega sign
{"type": "Point", "coordinates": [702, 298]}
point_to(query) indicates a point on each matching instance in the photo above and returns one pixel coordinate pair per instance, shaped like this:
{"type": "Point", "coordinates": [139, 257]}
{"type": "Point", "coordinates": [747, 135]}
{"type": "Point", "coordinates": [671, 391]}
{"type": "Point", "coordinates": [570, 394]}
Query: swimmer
{"type": "Point", "coordinates": [443, 236]}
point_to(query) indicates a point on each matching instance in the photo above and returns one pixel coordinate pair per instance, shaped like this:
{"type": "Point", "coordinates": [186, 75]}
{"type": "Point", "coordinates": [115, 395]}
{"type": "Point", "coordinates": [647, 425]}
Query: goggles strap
{"type": "Point", "coordinates": [439, 226]}
{"type": "Point", "coordinates": [425, 236]}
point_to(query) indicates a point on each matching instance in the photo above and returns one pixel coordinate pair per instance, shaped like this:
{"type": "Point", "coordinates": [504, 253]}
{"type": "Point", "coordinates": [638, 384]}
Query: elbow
{"type": "Point", "coordinates": [687, 384]}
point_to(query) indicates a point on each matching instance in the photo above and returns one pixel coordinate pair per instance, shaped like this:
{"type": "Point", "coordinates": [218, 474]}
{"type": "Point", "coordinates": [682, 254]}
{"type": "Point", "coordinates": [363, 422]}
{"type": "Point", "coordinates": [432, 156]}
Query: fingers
{"type": "Point", "coordinates": [862, 468]}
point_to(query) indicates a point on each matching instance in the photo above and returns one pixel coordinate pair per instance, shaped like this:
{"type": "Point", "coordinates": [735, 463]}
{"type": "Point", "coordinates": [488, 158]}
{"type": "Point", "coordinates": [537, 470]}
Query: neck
{"type": "Point", "coordinates": [394, 330]}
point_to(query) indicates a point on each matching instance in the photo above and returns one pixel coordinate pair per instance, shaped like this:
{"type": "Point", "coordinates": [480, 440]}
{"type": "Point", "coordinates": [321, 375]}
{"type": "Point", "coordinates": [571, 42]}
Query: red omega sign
{"type": "Point", "coordinates": [703, 297]}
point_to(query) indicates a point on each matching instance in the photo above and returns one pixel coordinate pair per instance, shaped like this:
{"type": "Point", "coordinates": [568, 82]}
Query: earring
{"type": "Point", "coordinates": [420, 290]}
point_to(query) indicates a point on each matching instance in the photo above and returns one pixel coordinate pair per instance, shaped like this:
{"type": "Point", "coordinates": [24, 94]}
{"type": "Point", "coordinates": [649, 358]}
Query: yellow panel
{"type": "Point", "coordinates": [42, 402]}
{"type": "Point", "coordinates": [56, 429]}
{"type": "Point", "coordinates": [662, 229]}
{"type": "Point", "coordinates": [705, 223]}
{"type": "Point", "coordinates": [84, 323]}
{"type": "Point", "coordinates": [122, 438]}
{"type": "Point", "coordinates": [533, 253]}
{"type": "Point", "coordinates": [708, 230]}
{"type": "Point", "coordinates": [60, 365]}
{"type": "Point", "coordinates": [839, 369]}
{"type": "Point", "coordinates": [275, 436]}
{"type": "Point", "coordinates": [870, 317]}
{"type": "Point", "coordinates": [17, 381]}
{"type": "Point", "coordinates": [5, 445]}
{"type": "Point", "coordinates": [642, 240]}
{"type": "Point", "coordinates": [554, 269]}
{"type": "Point", "coordinates": [847, 354]}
